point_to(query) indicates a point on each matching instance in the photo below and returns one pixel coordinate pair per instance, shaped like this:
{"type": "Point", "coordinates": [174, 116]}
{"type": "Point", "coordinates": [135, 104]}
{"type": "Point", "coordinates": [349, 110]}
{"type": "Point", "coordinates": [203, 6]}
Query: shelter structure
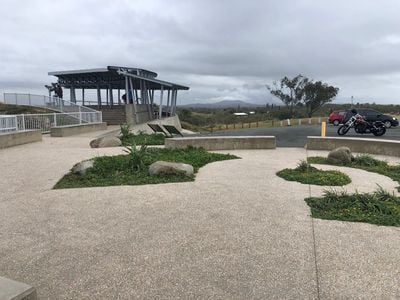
{"type": "Point", "coordinates": [132, 91]}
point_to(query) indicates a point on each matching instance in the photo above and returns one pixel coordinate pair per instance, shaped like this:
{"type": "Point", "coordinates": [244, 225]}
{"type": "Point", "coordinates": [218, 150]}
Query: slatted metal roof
{"type": "Point", "coordinates": [111, 77]}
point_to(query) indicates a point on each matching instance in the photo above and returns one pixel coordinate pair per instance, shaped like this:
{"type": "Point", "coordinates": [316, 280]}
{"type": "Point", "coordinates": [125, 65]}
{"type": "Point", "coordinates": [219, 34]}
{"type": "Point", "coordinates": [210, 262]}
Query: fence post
{"type": "Point", "coordinates": [23, 122]}
{"type": "Point", "coordinates": [55, 119]}
{"type": "Point", "coordinates": [80, 115]}
{"type": "Point", "coordinates": [309, 121]}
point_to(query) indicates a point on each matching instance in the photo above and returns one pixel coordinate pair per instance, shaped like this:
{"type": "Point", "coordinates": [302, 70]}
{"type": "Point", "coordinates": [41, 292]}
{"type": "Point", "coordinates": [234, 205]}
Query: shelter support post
{"type": "Point", "coordinates": [130, 97]}
{"type": "Point", "coordinates": [161, 100]}
{"type": "Point", "coordinates": [98, 97]}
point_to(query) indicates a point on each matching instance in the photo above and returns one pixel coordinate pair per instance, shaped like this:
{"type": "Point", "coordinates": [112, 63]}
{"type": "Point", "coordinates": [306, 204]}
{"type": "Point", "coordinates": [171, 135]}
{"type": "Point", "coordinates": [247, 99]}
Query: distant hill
{"type": "Point", "coordinates": [223, 104]}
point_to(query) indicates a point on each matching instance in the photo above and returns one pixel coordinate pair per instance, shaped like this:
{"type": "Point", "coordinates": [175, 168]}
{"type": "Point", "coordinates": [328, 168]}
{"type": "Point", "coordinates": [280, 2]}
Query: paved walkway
{"type": "Point", "coordinates": [237, 232]}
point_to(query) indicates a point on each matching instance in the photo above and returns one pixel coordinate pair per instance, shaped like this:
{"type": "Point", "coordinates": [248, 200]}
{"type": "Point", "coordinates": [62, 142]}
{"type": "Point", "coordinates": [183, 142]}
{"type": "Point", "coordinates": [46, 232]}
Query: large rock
{"type": "Point", "coordinates": [165, 167]}
{"type": "Point", "coordinates": [105, 141]}
{"type": "Point", "coordinates": [82, 167]}
{"type": "Point", "coordinates": [341, 155]}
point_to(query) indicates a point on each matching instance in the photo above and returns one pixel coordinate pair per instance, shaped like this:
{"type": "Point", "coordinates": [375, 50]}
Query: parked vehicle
{"type": "Point", "coordinates": [337, 117]}
{"type": "Point", "coordinates": [361, 125]}
{"type": "Point", "coordinates": [373, 116]}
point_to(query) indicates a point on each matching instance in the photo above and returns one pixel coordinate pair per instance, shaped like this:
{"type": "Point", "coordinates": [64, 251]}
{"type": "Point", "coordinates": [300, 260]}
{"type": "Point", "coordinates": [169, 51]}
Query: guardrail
{"type": "Point", "coordinates": [44, 122]}
{"type": "Point", "coordinates": [52, 103]}
{"type": "Point", "coordinates": [8, 123]}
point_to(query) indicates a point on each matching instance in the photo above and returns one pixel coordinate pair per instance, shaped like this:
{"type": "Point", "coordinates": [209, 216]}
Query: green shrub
{"type": "Point", "coordinates": [305, 173]}
{"type": "Point", "coordinates": [379, 207]}
{"type": "Point", "coordinates": [367, 163]}
{"type": "Point", "coordinates": [128, 138]}
{"type": "Point", "coordinates": [136, 156]}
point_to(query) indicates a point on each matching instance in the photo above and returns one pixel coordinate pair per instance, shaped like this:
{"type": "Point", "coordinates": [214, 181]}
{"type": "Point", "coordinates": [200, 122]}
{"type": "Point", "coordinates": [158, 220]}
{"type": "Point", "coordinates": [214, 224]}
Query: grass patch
{"type": "Point", "coordinates": [379, 207]}
{"type": "Point", "coordinates": [124, 170]}
{"type": "Point", "coordinates": [304, 173]}
{"type": "Point", "coordinates": [10, 109]}
{"type": "Point", "coordinates": [365, 162]}
{"type": "Point", "coordinates": [143, 139]}
{"type": "Point", "coordinates": [129, 138]}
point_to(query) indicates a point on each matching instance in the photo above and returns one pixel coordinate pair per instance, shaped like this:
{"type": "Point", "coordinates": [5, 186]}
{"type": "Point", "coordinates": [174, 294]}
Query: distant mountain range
{"type": "Point", "coordinates": [223, 104]}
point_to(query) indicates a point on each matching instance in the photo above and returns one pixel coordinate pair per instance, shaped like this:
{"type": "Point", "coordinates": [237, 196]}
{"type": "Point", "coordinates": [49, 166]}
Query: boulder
{"type": "Point", "coordinates": [166, 167]}
{"type": "Point", "coordinates": [341, 155]}
{"type": "Point", "coordinates": [105, 141]}
{"type": "Point", "coordinates": [82, 167]}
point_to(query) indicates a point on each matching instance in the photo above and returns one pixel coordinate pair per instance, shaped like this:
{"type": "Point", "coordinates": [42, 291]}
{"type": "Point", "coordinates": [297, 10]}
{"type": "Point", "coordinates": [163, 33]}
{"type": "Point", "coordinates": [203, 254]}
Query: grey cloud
{"type": "Point", "coordinates": [221, 49]}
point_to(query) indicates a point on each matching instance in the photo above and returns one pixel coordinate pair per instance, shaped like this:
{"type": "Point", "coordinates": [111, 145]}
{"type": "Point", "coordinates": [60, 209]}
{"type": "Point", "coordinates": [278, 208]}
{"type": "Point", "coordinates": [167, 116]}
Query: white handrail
{"type": "Point", "coordinates": [45, 121]}
{"type": "Point", "coordinates": [53, 103]}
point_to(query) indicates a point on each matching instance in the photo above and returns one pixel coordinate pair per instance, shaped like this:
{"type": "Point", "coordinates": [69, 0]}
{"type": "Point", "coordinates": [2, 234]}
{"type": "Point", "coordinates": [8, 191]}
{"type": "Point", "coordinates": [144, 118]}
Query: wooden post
{"type": "Point", "coordinates": [119, 96]}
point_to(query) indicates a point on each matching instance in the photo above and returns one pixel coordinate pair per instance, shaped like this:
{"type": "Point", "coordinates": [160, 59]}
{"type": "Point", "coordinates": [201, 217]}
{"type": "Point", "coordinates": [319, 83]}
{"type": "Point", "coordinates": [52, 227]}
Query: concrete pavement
{"type": "Point", "coordinates": [237, 232]}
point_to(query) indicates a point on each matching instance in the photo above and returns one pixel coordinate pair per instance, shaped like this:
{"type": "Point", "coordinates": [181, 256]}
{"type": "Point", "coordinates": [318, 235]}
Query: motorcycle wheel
{"type": "Point", "coordinates": [381, 131]}
{"type": "Point", "coordinates": [343, 130]}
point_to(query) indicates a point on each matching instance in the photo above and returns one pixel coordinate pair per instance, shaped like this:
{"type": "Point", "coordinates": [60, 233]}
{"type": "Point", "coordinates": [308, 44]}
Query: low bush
{"type": "Point", "coordinates": [132, 169]}
{"type": "Point", "coordinates": [128, 138]}
{"type": "Point", "coordinates": [367, 163]}
{"type": "Point", "coordinates": [305, 173]}
{"type": "Point", "coordinates": [379, 207]}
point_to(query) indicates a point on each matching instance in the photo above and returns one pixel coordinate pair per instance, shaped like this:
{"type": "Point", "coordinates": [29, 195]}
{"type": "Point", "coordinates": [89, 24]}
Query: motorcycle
{"type": "Point", "coordinates": [361, 125]}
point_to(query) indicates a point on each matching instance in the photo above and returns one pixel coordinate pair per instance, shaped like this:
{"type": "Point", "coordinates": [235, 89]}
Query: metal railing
{"type": "Point", "coordinates": [44, 122]}
{"type": "Point", "coordinates": [52, 103]}
{"type": "Point", "coordinates": [8, 123]}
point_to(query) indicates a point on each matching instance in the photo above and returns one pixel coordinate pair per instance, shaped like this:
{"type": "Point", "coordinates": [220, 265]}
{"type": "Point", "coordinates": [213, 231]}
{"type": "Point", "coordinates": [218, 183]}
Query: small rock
{"type": "Point", "coordinates": [82, 167]}
{"type": "Point", "coordinates": [105, 141]}
{"type": "Point", "coordinates": [165, 167]}
{"type": "Point", "coordinates": [340, 155]}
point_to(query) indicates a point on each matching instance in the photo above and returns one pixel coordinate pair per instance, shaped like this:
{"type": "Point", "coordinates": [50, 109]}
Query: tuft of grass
{"type": "Point", "coordinates": [379, 207]}
{"type": "Point", "coordinates": [305, 173]}
{"type": "Point", "coordinates": [128, 138]}
{"type": "Point", "coordinates": [120, 170]}
{"type": "Point", "coordinates": [367, 163]}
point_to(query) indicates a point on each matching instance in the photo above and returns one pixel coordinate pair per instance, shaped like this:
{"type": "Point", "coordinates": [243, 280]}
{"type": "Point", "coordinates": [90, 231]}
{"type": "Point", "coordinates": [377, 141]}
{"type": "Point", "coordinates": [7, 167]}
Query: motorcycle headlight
{"type": "Point", "coordinates": [394, 118]}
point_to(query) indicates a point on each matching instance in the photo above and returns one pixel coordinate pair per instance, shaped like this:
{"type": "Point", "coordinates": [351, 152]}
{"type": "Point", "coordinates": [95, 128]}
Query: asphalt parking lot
{"type": "Point", "coordinates": [296, 136]}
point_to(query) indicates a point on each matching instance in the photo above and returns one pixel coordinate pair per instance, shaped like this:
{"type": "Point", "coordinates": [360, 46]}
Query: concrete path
{"type": "Point", "coordinates": [237, 232]}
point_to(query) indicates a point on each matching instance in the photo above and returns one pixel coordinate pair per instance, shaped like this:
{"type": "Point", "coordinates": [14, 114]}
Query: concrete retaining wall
{"type": "Point", "coordinates": [361, 145]}
{"type": "Point", "coordinates": [223, 142]}
{"type": "Point", "coordinates": [11, 139]}
{"type": "Point", "coordinates": [14, 290]}
{"type": "Point", "coordinates": [141, 111]}
{"type": "Point", "coordinates": [61, 131]}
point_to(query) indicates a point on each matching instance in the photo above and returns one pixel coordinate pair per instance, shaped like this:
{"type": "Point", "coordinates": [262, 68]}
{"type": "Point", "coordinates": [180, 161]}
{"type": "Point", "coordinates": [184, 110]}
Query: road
{"type": "Point", "coordinates": [296, 136]}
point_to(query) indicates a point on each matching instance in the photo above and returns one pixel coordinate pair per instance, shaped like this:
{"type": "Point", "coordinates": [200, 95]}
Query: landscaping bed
{"type": "Point", "coordinates": [364, 162]}
{"type": "Point", "coordinates": [132, 169]}
{"type": "Point", "coordinates": [129, 138]}
{"type": "Point", "coordinates": [380, 207]}
{"type": "Point", "coordinates": [304, 173]}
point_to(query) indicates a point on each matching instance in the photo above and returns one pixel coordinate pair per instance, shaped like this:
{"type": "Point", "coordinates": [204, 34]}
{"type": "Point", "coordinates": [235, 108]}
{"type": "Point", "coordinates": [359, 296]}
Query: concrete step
{"type": "Point", "coordinates": [14, 290]}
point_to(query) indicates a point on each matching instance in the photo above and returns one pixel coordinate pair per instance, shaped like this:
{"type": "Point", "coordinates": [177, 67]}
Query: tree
{"type": "Point", "coordinates": [289, 91]}
{"type": "Point", "coordinates": [316, 94]}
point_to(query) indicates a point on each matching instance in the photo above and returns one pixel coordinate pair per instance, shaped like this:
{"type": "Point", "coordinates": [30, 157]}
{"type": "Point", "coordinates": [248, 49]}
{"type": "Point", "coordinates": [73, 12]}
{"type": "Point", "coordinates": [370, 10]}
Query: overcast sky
{"type": "Point", "coordinates": [221, 49]}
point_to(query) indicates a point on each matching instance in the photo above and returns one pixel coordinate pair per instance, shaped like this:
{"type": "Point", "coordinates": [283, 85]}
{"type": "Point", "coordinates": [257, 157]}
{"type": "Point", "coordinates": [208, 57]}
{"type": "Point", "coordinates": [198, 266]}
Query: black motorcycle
{"type": "Point", "coordinates": [361, 125]}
